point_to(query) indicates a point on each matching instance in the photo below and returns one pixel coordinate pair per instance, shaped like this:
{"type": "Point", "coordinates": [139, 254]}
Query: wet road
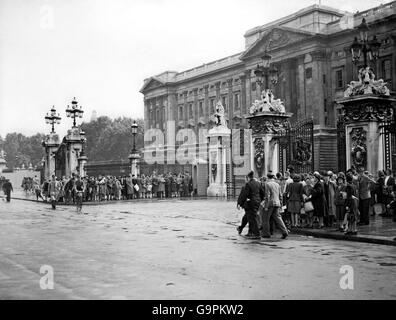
{"type": "Point", "coordinates": [175, 250]}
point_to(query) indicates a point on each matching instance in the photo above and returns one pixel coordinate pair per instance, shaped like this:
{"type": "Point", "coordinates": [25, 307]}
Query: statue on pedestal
{"type": "Point", "coordinates": [366, 84]}
{"type": "Point", "coordinates": [220, 115]}
{"type": "Point", "coordinates": [268, 103]}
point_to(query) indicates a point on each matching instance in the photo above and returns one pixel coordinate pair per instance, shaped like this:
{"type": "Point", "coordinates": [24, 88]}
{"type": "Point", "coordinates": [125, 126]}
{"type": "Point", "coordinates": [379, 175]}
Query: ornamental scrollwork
{"type": "Point", "coordinates": [367, 112]}
{"type": "Point", "coordinates": [366, 85]}
{"type": "Point", "coordinates": [274, 126]}
{"type": "Point", "coordinates": [259, 155]}
{"type": "Point", "coordinates": [302, 152]}
{"type": "Point", "coordinates": [358, 147]}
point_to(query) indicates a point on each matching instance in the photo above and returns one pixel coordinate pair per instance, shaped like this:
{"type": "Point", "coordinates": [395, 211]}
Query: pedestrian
{"type": "Point", "coordinates": [351, 211]}
{"type": "Point", "coordinates": [252, 198]}
{"type": "Point", "coordinates": [79, 190]}
{"type": "Point", "coordinates": [272, 203]}
{"type": "Point", "coordinates": [7, 188]}
{"type": "Point", "coordinates": [318, 199]}
{"type": "Point", "coordinates": [294, 192]}
{"type": "Point", "coordinates": [340, 197]}
{"type": "Point", "coordinates": [329, 191]}
{"type": "Point", "coordinates": [364, 186]}
{"type": "Point", "coordinates": [53, 191]}
{"type": "Point", "coordinates": [241, 204]}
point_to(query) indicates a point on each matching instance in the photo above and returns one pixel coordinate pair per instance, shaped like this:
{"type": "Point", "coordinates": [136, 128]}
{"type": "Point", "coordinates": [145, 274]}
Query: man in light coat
{"type": "Point", "coordinates": [272, 203]}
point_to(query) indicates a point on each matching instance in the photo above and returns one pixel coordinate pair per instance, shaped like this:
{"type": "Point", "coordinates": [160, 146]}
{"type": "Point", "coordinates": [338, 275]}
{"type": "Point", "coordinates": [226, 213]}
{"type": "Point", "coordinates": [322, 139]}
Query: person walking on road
{"type": "Point", "coordinates": [53, 191]}
{"type": "Point", "coordinates": [79, 191]}
{"type": "Point", "coordinates": [272, 203]}
{"type": "Point", "coordinates": [252, 198]}
{"type": "Point", "coordinates": [7, 188]}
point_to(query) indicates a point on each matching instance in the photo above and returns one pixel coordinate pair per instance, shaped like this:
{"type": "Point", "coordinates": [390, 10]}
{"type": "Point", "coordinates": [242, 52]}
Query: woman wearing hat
{"type": "Point", "coordinates": [318, 198]}
{"type": "Point", "coordinates": [340, 197]}
{"type": "Point", "coordinates": [295, 191]}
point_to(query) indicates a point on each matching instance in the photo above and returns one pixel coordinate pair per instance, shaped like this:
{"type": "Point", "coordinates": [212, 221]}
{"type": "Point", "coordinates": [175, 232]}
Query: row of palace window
{"type": "Point", "coordinates": [212, 106]}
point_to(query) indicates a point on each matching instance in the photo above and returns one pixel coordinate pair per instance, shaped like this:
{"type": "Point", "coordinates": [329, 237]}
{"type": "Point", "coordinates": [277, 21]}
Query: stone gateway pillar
{"type": "Point", "coordinates": [366, 107]}
{"type": "Point", "coordinates": [268, 120]}
{"type": "Point", "coordinates": [51, 145]}
{"type": "Point", "coordinates": [218, 154]}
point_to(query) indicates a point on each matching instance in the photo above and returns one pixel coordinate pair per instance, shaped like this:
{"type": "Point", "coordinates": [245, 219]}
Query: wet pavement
{"type": "Point", "coordinates": [175, 249]}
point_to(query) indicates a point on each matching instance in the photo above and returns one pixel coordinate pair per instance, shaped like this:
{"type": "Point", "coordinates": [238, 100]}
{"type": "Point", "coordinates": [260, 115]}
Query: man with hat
{"type": "Point", "coordinates": [273, 201]}
{"type": "Point", "coordinates": [251, 198]}
{"type": "Point", "coordinates": [7, 188]}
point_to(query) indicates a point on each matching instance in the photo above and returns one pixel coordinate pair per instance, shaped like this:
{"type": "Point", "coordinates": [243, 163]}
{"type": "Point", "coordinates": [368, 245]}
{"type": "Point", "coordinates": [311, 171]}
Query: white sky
{"type": "Point", "coordinates": [100, 51]}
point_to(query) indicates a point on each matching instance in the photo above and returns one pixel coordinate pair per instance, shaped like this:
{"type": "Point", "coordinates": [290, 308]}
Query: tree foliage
{"type": "Point", "coordinates": [107, 139]}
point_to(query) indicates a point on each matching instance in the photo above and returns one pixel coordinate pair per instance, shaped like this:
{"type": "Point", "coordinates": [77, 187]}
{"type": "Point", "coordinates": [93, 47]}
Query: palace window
{"type": "Point", "coordinates": [308, 73]}
{"type": "Point", "coordinates": [180, 112]}
{"type": "Point", "coordinates": [386, 70]}
{"type": "Point", "coordinates": [212, 106]}
{"type": "Point", "coordinates": [236, 101]}
{"type": "Point", "coordinates": [201, 110]}
{"type": "Point", "coordinates": [339, 79]}
{"type": "Point", "coordinates": [253, 86]}
{"type": "Point", "coordinates": [224, 102]}
{"type": "Point", "coordinates": [191, 111]}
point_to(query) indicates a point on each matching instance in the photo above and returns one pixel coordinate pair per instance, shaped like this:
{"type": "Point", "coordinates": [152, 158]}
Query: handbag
{"type": "Point", "coordinates": [378, 208]}
{"type": "Point", "coordinates": [302, 212]}
{"type": "Point", "coordinates": [308, 206]}
{"type": "Point", "coordinates": [136, 187]}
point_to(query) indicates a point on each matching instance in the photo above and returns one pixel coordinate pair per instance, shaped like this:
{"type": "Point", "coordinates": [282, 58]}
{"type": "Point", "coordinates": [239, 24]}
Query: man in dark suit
{"type": "Point", "coordinates": [388, 188]}
{"type": "Point", "coordinates": [7, 188]}
{"type": "Point", "coordinates": [252, 197]}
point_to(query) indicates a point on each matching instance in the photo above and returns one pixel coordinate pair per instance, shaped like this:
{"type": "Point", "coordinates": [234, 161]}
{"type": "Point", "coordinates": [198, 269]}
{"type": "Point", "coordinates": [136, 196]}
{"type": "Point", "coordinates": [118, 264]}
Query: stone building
{"type": "Point", "coordinates": [311, 50]}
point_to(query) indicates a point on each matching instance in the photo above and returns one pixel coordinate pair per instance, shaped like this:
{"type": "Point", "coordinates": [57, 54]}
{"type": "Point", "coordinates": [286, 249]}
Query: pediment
{"type": "Point", "coordinates": [151, 84]}
{"type": "Point", "coordinates": [275, 38]}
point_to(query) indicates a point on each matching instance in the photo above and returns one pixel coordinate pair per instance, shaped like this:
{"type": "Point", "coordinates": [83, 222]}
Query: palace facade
{"type": "Point", "coordinates": [310, 49]}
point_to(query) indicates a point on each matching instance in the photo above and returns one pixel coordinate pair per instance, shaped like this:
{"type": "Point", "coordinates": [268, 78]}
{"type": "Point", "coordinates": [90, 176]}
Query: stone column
{"type": "Point", "coordinates": [51, 145]}
{"type": "Point", "coordinates": [74, 147]}
{"type": "Point", "coordinates": [365, 143]}
{"type": "Point", "coordinates": [217, 161]}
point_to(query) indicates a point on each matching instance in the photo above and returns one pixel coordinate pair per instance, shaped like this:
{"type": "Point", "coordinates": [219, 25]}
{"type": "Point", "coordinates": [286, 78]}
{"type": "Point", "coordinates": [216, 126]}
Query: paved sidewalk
{"type": "Point", "coordinates": [380, 231]}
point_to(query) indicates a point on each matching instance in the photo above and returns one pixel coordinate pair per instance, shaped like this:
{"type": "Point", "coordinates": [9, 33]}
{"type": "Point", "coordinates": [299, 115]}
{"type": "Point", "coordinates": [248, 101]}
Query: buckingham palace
{"type": "Point", "coordinates": [311, 65]}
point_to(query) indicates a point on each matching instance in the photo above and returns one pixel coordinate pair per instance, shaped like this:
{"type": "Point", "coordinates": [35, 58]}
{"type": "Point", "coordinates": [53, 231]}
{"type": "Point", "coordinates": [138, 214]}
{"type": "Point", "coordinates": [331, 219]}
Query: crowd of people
{"type": "Point", "coordinates": [105, 188]}
{"type": "Point", "coordinates": [315, 200]}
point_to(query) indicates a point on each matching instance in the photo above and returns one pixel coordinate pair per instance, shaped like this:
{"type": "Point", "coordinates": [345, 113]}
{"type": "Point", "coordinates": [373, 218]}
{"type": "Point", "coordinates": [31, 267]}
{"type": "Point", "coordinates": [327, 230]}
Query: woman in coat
{"type": "Point", "coordinates": [295, 191]}
{"type": "Point", "coordinates": [318, 199]}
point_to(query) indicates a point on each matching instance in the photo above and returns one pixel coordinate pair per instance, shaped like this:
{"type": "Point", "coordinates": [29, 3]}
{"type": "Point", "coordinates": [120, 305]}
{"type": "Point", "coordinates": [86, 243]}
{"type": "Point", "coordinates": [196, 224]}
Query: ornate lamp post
{"type": "Point", "coordinates": [74, 111]}
{"type": "Point", "coordinates": [134, 156]}
{"type": "Point", "coordinates": [266, 70]}
{"type": "Point", "coordinates": [52, 118]}
{"type": "Point", "coordinates": [366, 110]}
{"type": "Point", "coordinates": [51, 143]}
{"type": "Point", "coordinates": [369, 48]}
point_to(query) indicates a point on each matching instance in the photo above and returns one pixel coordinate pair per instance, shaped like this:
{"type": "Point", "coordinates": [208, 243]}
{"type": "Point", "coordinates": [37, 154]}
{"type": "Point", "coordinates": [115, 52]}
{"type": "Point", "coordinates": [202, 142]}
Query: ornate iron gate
{"type": "Point", "coordinates": [388, 129]}
{"type": "Point", "coordinates": [296, 147]}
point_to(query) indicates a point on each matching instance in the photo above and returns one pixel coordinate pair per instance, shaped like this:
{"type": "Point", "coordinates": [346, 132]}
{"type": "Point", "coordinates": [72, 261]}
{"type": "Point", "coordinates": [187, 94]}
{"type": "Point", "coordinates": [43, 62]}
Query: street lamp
{"type": "Point", "coordinates": [74, 112]}
{"type": "Point", "coordinates": [134, 128]}
{"type": "Point", "coordinates": [369, 49]}
{"type": "Point", "coordinates": [52, 118]}
{"type": "Point", "coordinates": [265, 70]}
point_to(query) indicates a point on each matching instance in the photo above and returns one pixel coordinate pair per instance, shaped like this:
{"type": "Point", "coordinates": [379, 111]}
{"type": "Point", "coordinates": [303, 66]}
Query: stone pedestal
{"type": "Point", "coordinates": [134, 158]}
{"type": "Point", "coordinates": [51, 145]}
{"type": "Point", "coordinates": [266, 127]}
{"type": "Point", "coordinates": [217, 161]}
{"type": "Point", "coordinates": [366, 145]}
{"type": "Point", "coordinates": [82, 161]}
{"type": "Point", "coordinates": [74, 142]}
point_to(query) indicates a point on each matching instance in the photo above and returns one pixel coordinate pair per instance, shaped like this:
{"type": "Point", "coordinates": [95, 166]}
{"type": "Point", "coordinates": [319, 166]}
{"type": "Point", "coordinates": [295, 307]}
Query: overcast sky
{"type": "Point", "coordinates": [100, 51]}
